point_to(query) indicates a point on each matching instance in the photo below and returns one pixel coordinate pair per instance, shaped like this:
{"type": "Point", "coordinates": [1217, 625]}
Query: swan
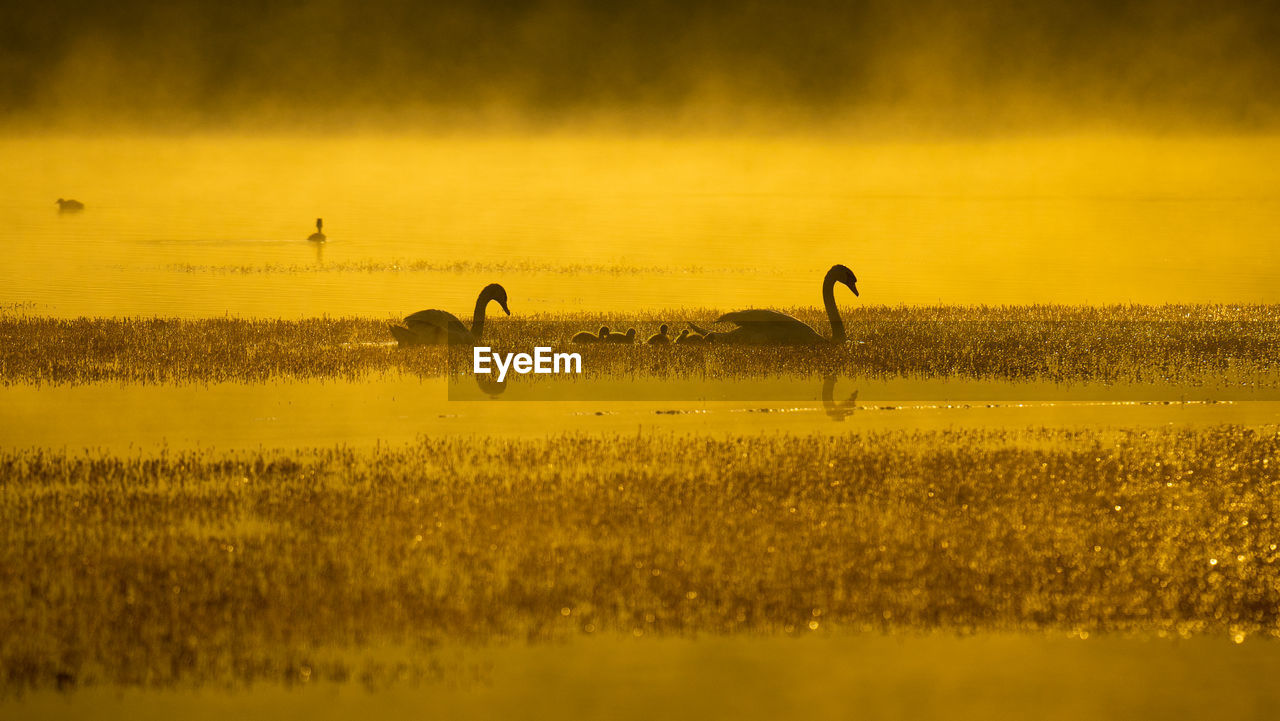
{"type": "Point", "coordinates": [770, 326]}
{"type": "Point", "coordinates": [687, 337]}
{"type": "Point", "coordinates": [435, 327]}
{"type": "Point", "coordinates": [69, 206]}
{"type": "Point", "coordinates": [660, 338]}
{"type": "Point", "coordinates": [588, 337]}
{"type": "Point", "coordinates": [628, 337]}
{"type": "Point", "coordinates": [318, 236]}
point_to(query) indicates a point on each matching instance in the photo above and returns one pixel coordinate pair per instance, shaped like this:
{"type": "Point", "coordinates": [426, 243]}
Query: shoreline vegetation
{"type": "Point", "coordinates": [1234, 345]}
{"type": "Point", "coordinates": [228, 567]}
{"type": "Point", "coordinates": [462, 267]}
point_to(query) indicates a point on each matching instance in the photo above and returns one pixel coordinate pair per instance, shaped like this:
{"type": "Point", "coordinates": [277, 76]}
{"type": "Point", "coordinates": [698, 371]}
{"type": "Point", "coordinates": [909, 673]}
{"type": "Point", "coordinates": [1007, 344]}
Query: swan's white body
{"type": "Point", "coordinates": [758, 326]}
{"type": "Point", "coordinates": [437, 327]}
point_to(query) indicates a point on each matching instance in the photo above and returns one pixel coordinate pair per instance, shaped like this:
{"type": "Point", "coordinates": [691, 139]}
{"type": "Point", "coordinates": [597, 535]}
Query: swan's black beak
{"type": "Point", "coordinates": [854, 287]}
{"type": "Point", "coordinates": [505, 309]}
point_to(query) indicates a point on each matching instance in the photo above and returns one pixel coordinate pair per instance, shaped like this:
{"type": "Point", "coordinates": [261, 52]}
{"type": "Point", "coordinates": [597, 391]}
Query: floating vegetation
{"type": "Point", "coordinates": [152, 569]}
{"type": "Point", "coordinates": [464, 267]}
{"type": "Point", "coordinates": [1120, 344]}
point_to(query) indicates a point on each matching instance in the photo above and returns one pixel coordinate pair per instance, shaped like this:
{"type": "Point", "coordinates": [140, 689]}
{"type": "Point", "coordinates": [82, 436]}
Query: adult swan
{"type": "Point", "coordinates": [770, 326]}
{"type": "Point", "coordinates": [435, 327]}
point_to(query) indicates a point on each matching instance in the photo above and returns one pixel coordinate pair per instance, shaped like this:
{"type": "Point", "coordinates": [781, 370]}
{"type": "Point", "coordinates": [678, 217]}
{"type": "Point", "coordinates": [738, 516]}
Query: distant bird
{"type": "Point", "coordinates": [436, 327]}
{"type": "Point", "coordinates": [318, 236]}
{"type": "Point", "coordinates": [686, 337]}
{"type": "Point", "coordinates": [628, 337]}
{"type": "Point", "coordinates": [587, 337]}
{"type": "Point", "coordinates": [660, 338]}
{"type": "Point", "coordinates": [69, 206]}
{"type": "Point", "coordinates": [770, 326]}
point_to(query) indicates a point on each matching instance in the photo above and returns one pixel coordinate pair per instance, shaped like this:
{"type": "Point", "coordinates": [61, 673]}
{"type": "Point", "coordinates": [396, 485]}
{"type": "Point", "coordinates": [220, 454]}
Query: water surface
{"type": "Point", "coordinates": [208, 225]}
{"type": "Point", "coordinates": [397, 410]}
{"type": "Point", "coordinates": [817, 677]}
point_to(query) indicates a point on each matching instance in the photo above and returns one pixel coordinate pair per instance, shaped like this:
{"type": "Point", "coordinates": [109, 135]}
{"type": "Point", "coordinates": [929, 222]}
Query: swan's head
{"type": "Point", "coordinates": [631, 332]}
{"type": "Point", "coordinates": [662, 329]}
{"type": "Point", "coordinates": [604, 331]}
{"type": "Point", "coordinates": [842, 274]}
{"type": "Point", "coordinates": [495, 292]}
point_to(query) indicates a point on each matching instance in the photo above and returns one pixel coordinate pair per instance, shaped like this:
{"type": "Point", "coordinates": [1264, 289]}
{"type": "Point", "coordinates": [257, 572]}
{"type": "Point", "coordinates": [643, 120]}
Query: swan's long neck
{"type": "Point", "coordinates": [477, 318]}
{"type": "Point", "coordinates": [833, 313]}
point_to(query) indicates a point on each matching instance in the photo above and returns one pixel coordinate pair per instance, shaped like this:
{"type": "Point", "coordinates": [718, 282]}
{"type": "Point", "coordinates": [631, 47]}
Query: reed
{"type": "Point", "coordinates": [211, 566]}
{"type": "Point", "coordinates": [1131, 344]}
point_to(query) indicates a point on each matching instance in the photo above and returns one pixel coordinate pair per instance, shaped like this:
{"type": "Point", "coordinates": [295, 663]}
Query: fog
{"type": "Point", "coordinates": [930, 67]}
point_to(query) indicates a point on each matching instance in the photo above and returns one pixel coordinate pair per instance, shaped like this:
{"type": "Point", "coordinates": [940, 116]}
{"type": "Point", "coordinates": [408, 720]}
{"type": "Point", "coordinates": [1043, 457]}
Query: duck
{"type": "Point", "coordinates": [437, 327]}
{"type": "Point", "coordinates": [660, 338]}
{"type": "Point", "coordinates": [69, 206]}
{"type": "Point", "coordinates": [756, 326]}
{"type": "Point", "coordinates": [318, 236]}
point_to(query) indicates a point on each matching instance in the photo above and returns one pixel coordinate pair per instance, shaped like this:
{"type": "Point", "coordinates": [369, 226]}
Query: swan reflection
{"type": "Point", "coordinates": [489, 385]}
{"type": "Point", "coordinates": [837, 410]}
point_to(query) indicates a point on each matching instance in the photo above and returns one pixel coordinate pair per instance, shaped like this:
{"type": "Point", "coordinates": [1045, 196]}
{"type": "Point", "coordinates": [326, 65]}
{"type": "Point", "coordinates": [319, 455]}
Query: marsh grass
{"type": "Point", "coordinates": [459, 267]}
{"type": "Point", "coordinates": [228, 567]}
{"type": "Point", "coordinates": [1129, 344]}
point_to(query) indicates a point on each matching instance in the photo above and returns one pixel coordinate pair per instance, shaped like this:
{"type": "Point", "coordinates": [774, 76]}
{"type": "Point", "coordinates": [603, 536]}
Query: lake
{"type": "Point", "coordinates": [212, 225]}
{"type": "Point", "coordinates": [650, 228]}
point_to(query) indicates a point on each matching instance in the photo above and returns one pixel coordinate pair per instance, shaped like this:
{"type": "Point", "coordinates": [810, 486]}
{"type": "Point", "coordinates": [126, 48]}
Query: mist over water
{"type": "Point", "coordinates": [210, 225]}
{"type": "Point", "coordinates": [932, 67]}
{"type": "Point", "coordinates": [666, 154]}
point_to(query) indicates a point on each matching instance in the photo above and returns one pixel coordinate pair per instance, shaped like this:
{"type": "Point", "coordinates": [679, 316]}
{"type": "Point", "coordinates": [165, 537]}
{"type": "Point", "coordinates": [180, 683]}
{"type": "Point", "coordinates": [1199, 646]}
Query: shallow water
{"type": "Point", "coordinates": [392, 410]}
{"type": "Point", "coordinates": [820, 677]}
{"type": "Point", "coordinates": [202, 226]}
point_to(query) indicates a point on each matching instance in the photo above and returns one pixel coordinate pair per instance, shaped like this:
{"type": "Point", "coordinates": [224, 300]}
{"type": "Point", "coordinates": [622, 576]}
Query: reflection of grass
{"type": "Point", "coordinates": [1046, 343]}
{"type": "Point", "coordinates": [220, 566]}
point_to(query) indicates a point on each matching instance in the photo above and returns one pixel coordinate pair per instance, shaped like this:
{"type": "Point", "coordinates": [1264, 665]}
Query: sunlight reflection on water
{"type": "Point", "coordinates": [291, 414]}
{"type": "Point", "coordinates": [213, 225]}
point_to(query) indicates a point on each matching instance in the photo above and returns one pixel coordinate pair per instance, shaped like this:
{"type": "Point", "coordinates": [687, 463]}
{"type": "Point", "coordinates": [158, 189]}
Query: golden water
{"type": "Point", "coordinates": [207, 225]}
{"type": "Point", "coordinates": [401, 410]}
{"type": "Point", "coordinates": [818, 678]}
